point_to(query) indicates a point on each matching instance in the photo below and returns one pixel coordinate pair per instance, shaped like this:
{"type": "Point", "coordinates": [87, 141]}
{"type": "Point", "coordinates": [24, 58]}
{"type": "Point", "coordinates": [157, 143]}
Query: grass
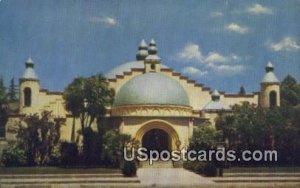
{"type": "Point", "coordinates": [262, 169]}
{"type": "Point", "coordinates": [56, 170]}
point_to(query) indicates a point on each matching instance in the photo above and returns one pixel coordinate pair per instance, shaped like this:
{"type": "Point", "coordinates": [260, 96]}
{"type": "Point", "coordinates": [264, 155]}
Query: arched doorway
{"type": "Point", "coordinates": [168, 133]}
{"type": "Point", "coordinates": [156, 139]}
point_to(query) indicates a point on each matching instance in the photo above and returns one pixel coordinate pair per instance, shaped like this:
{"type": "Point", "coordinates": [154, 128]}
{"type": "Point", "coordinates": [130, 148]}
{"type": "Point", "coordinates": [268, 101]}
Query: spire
{"type": "Point", "coordinates": [29, 71]}
{"type": "Point", "coordinates": [152, 48]}
{"type": "Point", "coordinates": [269, 67]}
{"type": "Point", "coordinates": [142, 52]}
{"type": "Point", "coordinates": [29, 63]}
{"type": "Point", "coordinates": [215, 95]}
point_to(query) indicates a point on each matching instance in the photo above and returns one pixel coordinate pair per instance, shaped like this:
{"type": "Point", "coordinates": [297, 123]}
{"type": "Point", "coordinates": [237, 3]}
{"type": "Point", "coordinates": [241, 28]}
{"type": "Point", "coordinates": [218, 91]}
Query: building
{"type": "Point", "coordinates": [154, 104]}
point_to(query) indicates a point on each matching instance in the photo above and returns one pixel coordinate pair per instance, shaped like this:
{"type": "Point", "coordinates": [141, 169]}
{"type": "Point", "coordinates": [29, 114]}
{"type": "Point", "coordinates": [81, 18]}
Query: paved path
{"type": "Point", "coordinates": [170, 177]}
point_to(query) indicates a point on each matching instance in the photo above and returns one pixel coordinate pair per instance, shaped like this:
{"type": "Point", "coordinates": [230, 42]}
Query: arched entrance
{"type": "Point", "coordinates": [156, 139]}
{"type": "Point", "coordinates": [164, 132]}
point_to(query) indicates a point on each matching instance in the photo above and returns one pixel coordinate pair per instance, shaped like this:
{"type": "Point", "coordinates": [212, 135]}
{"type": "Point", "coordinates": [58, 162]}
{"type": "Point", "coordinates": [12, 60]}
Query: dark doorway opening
{"type": "Point", "coordinates": [156, 139]}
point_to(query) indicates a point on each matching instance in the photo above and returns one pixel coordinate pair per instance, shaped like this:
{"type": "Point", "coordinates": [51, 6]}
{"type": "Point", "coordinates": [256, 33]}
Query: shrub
{"type": "Point", "coordinates": [129, 168]}
{"type": "Point", "coordinates": [68, 154]}
{"type": "Point", "coordinates": [199, 167]}
{"type": "Point", "coordinates": [113, 146]}
{"type": "Point", "coordinates": [13, 155]}
{"type": "Point", "coordinates": [210, 170]}
{"type": "Point", "coordinates": [92, 147]}
{"type": "Point", "coordinates": [189, 165]}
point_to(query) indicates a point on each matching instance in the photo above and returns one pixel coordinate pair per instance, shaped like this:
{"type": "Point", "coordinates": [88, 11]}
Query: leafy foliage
{"type": "Point", "coordinates": [3, 108]}
{"type": "Point", "coordinates": [113, 146]}
{"type": "Point", "coordinates": [242, 91]}
{"type": "Point", "coordinates": [87, 98]}
{"type": "Point", "coordinates": [92, 147]}
{"type": "Point", "coordinates": [204, 138]}
{"type": "Point", "coordinates": [13, 155]}
{"type": "Point", "coordinates": [289, 91]}
{"type": "Point", "coordinates": [38, 136]}
{"type": "Point", "coordinates": [129, 168]}
{"type": "Point", "coordinates": [254, 128]}
{"type": "Point", "coordinates": [69, 154]}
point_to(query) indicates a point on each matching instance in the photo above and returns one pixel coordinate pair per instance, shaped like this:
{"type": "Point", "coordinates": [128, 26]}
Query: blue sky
{"type": "Point", "coordinates": [222, 44]}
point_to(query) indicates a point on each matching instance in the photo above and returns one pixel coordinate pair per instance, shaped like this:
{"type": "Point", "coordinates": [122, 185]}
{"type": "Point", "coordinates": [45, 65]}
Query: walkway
{"type": "Point", "coordinates": [170, 177]}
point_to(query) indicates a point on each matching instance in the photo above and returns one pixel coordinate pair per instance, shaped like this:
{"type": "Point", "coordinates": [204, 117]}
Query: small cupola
{"type": "Point", "coordinates": [269, 77]}
{"type": "Point", "coordinates": [142, 51]}
{"type": "Point", "coordinates": [215, 104]}
{"type": "Point", "coordinates": [215, 95]}
{"type": "Point", "coordinates": [29, 73]}
{"type": "Point", "coordinates": [152, 61]}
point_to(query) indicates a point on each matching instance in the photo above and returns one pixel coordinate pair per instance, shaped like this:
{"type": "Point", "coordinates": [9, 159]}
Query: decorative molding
{"type": "Point", "coordinates": [151, 110]}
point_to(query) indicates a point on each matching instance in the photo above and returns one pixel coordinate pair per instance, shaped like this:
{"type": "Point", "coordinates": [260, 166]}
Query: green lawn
{"type": "Point", "coordinates": [55, 170]}
{"type": "Point", "coordinates": [261, 169]}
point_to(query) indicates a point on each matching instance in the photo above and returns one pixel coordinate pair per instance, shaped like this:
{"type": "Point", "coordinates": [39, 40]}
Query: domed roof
{"type": "Point", "coordinates": [270, 76]}
{"type": "Point", "coordinates": [119, 70]}
{"type": "Point", "coordinates": [151, 88]}
{"type": "Point", "coordinates": [29, 72]}
{"type": "Point", "coordinates": [215, 104]}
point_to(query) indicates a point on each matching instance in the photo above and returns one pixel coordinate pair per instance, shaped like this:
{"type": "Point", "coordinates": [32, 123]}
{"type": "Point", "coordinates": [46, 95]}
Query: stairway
{"type": "Point", "coordinates": [157, 164]}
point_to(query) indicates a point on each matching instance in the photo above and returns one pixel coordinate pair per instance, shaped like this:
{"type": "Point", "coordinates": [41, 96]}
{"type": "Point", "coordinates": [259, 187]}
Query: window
{"type": "Point", "coordinates": [27, 96]}
{"type": "Point", "coordinates": [273, 98]}
{"type": "Point", "coordinates": [152, 66]}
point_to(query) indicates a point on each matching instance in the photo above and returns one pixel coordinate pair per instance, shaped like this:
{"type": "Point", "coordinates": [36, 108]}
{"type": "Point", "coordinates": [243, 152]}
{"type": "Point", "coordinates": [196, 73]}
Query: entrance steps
{"type": "Point", "coordinates": [72, 180]}
{"type": "Point", "coordinates": [157, 164]}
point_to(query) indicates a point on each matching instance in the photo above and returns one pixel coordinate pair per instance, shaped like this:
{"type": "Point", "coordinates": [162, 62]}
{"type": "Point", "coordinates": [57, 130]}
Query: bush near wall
{"type": "Point", "coordinates": [13, 155]}
{"type": "Point", "coordinates": [208, 169]}
{"type": "Point", "coordinates": [69, 155]}
{"type": "Point", "coordinates": [129, 168]}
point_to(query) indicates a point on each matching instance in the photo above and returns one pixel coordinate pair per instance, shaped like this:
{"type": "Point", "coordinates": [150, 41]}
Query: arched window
{"type": "Point", "coordinates": [27, 96]}
{"type": "Point", "coordinates": [152, 67]}
{"type": "Point", "coordinates": [272, 98]}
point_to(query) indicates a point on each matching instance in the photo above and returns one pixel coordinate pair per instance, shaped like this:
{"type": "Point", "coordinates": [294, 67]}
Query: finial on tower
{"type": "Point", "coordinates": [152, 48]}
{"type": "Point", "coordinates": [142, 52]}
{"type": "Point", "coordinates": [215, 95]}
{"type": "Point", "coordinates": [29, 63]}
{"type": "Point", "coordinates": [269, 67]}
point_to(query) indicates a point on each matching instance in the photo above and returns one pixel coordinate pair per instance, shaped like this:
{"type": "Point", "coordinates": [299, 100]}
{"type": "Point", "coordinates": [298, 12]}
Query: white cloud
{"type": "Point", "coordinates": [214, 57]}
{"type": "Point", "coordinates": [286, 44]}
{"type": "Point", "coordinates": [105, 20]}
{"type": "Point", "coordinates": [227, 69]}
{"type": "Point", "coordinates": [216, 14]}
{"type": "Point", "coordinates": [258, 9]}
{"type": "Point", "coordinates": [236, 28]}
{"type": "Point", "coordinates": [193, 71]}
{"type": "Point", "coordinates": [214, 61]}
{"type": "Point", "coordinates": [191, 52]}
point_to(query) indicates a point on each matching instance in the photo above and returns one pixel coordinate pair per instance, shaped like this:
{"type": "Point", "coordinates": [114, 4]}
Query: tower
{"type": "Point", "coordinates": [270, 88]}
{"type": "Point", "coordinates": [152, 61]}
{"type": "Point", "coordinates": [29, 89]}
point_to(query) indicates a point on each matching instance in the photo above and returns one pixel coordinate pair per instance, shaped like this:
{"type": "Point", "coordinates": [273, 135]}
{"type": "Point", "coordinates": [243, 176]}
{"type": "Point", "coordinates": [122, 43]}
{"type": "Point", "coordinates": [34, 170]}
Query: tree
{"type": "Point", "coordinates": [289, 91]}
{"type": "Point", "coordinates": [3, 107]}
{"type": "Point", "coordinates": [242, 91]}
{"type": "Point", "coordinates": [87, 99]}
{"type": "Point", "coordinates": [12, 91]}
{"type": "Point", "coordinates": [113, 146]}
{"type": "Point", "coordinates": [38, 136]}
{"type": "Point", "coordinates": [204, 138]}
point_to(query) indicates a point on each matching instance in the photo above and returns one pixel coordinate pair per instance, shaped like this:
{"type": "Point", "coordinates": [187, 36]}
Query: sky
{"type": "Point", "coordinates": [222, 44]}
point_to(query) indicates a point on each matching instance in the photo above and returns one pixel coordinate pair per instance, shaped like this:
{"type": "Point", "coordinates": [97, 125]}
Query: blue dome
{"type": "Point", "coordinates": [151, 89]}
